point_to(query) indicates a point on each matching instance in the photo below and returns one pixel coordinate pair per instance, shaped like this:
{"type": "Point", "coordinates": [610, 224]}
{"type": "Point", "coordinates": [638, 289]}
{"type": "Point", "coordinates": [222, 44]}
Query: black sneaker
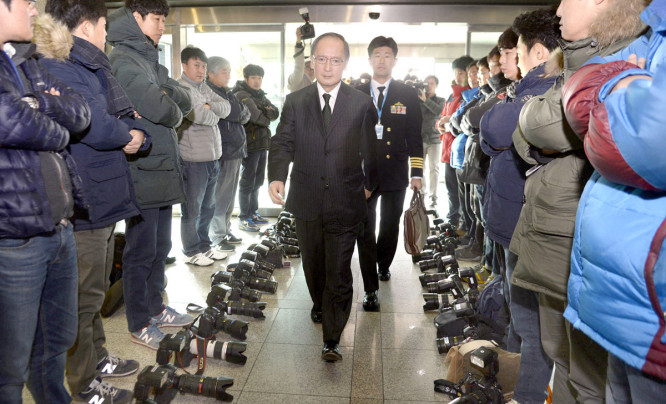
{"type": "Point", "coordinates": [113, 366]}
{"type": "Point", "coordinates": [102, 392]}
{"type": "Point", "coordinates": [225, 246]}
{"type": "Point", "coordinates": [233, 239]}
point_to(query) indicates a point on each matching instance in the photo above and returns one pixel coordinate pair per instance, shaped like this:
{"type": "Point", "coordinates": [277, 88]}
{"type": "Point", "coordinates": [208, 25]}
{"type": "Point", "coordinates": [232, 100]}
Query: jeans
{"type": "Point", "coordinates": [199, 208]}
{"type": "Point", "coordinates": [535, 366]}
{"type": "Point", "coordinates": [626, 384]}
{"type": "Point", "coordinates": [453, 216]}
{"type": "Point", "coordinates": [252, 175]}
{"type": "Point", "coordinates": [580, 363]}
{"type": "Point", "coordinates": [38, 297]}
{"type": "Point", "coordinates": [147, 244]}
{"type": "Point", "coordinates": [95, 260]}
{"type": "Point", "coordinates": [432, 153]}
{"type": "Point", "coordinates": [225, 195]}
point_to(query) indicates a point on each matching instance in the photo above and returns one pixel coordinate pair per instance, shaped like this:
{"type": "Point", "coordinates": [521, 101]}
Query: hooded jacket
{"type": "Point", "coordinates": [617, 287]}
{"type": "Point", "coordinates": [231, 127]}
{"type": "Point", "coordinates": [161, 102]}
{"type": "Point", "coordinates": [545, 229]}
{"type": "Point", "coordinates": [262, 112]}
{"type": "Point", "coordinates": [503, 190]}
{"type": "Point", "coordinates": [33, 156]}
{"type": "Point", "coordinates": [97, 150]}
{"type": "Point", "coordinates": [450, 107]}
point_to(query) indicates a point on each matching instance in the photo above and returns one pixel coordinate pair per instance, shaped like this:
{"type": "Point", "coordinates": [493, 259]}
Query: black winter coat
{"type": "Point", "coordinates": [231, 128]}
{"type": "Point", "coordinates": [262, 112]}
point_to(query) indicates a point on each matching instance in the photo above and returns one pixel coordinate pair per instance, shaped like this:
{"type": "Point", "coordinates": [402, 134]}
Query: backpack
{"type": "Point", "coordinates": [491, 307]}
{"type": "Point", "coordinates": [114, 296]}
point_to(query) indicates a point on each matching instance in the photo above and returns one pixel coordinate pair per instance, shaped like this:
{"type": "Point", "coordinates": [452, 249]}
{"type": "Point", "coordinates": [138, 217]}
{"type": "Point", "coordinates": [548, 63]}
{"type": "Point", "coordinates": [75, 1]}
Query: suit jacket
{"type": "Point", "coordinates": [401, 141]}
{"type": "Point", "coordinates": [330, 169]}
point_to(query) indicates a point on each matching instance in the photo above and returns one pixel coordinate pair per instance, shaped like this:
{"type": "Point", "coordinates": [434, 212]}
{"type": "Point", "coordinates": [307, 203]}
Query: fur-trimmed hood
{"type": "Point", "coordinates": [52, 38]}
{"type": "Point", "coordinates": [620, 20]}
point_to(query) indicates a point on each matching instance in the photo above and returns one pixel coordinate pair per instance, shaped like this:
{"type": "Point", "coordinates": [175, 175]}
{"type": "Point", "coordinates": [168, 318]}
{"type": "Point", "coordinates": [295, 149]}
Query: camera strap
{"type": "Point", "coordinates": [447, 387]}
{"type": "Point", "coordinates": [201, 354]}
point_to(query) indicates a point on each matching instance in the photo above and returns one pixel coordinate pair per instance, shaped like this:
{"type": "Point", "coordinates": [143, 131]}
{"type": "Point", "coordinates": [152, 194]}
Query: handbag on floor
{"type": "Point", "coordinates": [416, 225]}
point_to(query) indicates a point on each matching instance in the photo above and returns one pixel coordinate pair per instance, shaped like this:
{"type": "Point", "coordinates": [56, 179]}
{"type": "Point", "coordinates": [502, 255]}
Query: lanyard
{"type": "Point", "coordinates": [379, 108]}
{"type": "Point", "coordinates": [18, 76]}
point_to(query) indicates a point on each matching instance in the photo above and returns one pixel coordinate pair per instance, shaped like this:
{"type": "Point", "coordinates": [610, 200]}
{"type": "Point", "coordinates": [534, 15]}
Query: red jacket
{"type": "Point", "coordinates": [450, 107]}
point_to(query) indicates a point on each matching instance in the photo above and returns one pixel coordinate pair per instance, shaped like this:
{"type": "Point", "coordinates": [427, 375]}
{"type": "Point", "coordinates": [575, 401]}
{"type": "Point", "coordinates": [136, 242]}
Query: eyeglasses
{"type": "Point", "coordinates": [322, 60]}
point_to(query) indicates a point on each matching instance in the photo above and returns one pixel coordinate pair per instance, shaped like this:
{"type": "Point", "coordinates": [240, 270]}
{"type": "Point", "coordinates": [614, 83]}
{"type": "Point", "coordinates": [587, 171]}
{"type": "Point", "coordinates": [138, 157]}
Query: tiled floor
{"type": "Point", "coordinates": [389, 357]}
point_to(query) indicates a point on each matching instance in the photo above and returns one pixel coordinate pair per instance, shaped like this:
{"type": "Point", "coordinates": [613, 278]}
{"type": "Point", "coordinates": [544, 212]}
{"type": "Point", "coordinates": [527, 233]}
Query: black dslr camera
{"type": "Point", "coordinates": [307, 30]}
{"type": "Point", "coordinates": [474, 389]}
{"type": "Point", "coordinates": [185, 346]}
{"type": "Point", "coordinates": [212, 321]}
{"type": "Point", "coordinates": [163, 382]}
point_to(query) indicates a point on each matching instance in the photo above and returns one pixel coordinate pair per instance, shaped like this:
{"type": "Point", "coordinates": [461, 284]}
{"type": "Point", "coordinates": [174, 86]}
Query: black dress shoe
{"type": "Point", "coordinates": [169, 260]}
{"type": "Point", "coordinates": [371, 301]}
{"type": "Point", "coordinates": [331, 352]}
{"type": "Point", "coordinates": [315, 314]}
{"type": "Point", "coordinates": [384, 274]}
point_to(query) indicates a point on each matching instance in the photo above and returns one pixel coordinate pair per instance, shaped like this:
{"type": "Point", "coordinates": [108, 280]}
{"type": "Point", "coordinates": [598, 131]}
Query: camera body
{"type": "Point", "coordinates": [164, 383]}
{"type": "Point", "coordinates": [307, 29]}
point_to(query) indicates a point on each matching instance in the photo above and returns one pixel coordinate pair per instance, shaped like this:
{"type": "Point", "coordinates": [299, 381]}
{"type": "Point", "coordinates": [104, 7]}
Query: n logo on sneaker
{"type": "Point", "coordinates": [109, 368]}
{"type": "Point", "coordinates": [146, 339]}
{"type": "Point", "coordinates": [96, 399]}
{"type": "Point", "coordinates": [168, 318]}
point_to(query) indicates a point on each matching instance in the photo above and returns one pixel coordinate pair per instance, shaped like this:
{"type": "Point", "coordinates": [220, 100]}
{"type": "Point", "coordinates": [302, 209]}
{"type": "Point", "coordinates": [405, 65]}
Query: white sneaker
{"type": "Point", "coordinates": [215, 254]}
{"type": "Point", "coordinates": [199, 259]}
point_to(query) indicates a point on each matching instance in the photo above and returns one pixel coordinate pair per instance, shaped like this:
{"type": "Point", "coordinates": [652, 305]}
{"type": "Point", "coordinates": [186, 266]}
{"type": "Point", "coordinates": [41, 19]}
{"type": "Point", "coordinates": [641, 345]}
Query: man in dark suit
{"type": "Point", "coordinates": [327, 131]}
{"type": "Point", "coordinates": [398, 139]}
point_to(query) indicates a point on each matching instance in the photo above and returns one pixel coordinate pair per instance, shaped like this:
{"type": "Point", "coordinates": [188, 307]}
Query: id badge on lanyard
{"type": "Point", "coordinates": [379, 130]}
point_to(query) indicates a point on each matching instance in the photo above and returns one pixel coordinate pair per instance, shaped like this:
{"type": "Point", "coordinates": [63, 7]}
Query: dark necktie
{"type": "Point", "coordinates": [326, 112]}
{"type": "Point", "coordinates": [380, 99]}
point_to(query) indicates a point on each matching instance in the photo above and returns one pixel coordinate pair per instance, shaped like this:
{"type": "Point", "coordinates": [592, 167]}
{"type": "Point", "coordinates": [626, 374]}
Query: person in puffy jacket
{"type": "Point", "coordinates": [258, 135]}
{"type": "Point", "coordinates": [617, 287]}
{"type": "Point", "coordinates": [544, 233]}
{"type": "Point", "coordinates": [38, 275]}
{"type": "Point", "coordinates": [452, 104]}
{"type": "Point", "coordinates": [234, 150]}
{"type": "Point", "coordinates": [100, 154]}
{"type": "Point", "coordinates": [201, 148]}
{"type": "Point", "coordinates": [134, 31]}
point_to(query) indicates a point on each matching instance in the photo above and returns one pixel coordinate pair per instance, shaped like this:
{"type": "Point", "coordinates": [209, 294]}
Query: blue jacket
{"type": "Point", "coordinates": [98, 150]}
{"type": "Point", "coordinates": [27, 133]}
{"type": "Point", "coordinates": [617, 286]}
{"type": "Point", "coordinates": [503, 192]}
{"type": "Point", "coordinates": [231, 127]}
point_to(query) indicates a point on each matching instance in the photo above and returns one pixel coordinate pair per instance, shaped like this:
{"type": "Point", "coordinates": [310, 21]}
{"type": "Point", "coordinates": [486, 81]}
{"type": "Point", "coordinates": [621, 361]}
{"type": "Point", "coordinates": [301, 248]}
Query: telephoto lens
{"type": "Point", "coordinates": [423, 255]}
{"type": "Point", "coordinates": [240, 291]}
{"type": "Point", "coordinates": [435, 301]}
{"type": "Point", "coordinates": [430, 278]}
{"type": "Point", "coordinates": [241, 308]}
{"type": "Point", "coordinates": [426, 265]}
{"type": "Point", "coordinates": [446, 343]}
{"type": "Point", "coordinates": [205, 386]}
{"type": "Point", "coordinates": [235, 328]}
{"type": "Point", "coordinates": [261, 249]}
{"type": "Point", "coordinates": [269, 243]}
{"type": "Point", "coordinates": [254, 269]}
{"type": "Point", "coordinates": [443, 286]}
{"type": "Point", "coordinates": [230, 351]}
{"type": "Point", "coordinates": [254, 257]}
{"type": "Point", "coordinates": [264, 285]}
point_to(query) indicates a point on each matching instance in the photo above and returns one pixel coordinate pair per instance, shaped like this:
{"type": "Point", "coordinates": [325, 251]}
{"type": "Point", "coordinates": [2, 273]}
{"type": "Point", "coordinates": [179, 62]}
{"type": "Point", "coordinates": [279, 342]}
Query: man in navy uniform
{"type": "Point", "coordinates": [399, 147]}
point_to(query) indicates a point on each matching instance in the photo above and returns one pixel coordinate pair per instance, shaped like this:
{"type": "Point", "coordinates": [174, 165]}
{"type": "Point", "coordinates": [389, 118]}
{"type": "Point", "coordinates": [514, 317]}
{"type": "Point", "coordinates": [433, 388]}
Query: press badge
{"type": "Point", "coordinates": [379, 130]}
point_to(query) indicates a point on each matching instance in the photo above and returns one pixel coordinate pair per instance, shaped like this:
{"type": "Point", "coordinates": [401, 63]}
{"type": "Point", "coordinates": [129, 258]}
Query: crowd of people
{"type": "Point", "coordinates": [550, 149]}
